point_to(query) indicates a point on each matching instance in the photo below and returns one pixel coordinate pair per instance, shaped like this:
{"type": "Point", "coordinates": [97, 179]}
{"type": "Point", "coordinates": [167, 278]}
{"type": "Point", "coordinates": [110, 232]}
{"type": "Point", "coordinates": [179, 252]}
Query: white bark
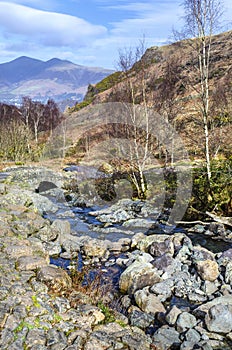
{"type": "Point", "coordinates": [202, 18]}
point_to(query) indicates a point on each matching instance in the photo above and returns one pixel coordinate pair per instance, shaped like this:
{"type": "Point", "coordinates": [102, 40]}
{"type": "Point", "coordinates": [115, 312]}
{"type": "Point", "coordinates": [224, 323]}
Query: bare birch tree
{"type": "Point", "coordinates": [139, 148]}
{"type": "Point", "coordinates": [202, 19]}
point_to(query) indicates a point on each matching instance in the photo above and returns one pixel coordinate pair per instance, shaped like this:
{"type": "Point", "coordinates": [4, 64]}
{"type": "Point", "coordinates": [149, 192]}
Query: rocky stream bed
{"type": "Point", "coordinates": [157, 290]}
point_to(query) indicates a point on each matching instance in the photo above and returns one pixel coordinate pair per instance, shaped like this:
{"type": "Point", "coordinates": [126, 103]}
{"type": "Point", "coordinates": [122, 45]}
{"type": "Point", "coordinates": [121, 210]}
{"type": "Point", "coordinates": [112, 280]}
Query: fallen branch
{"type": "Point", "coordinates": [192, 222]}
{"type": "Point", "coordinates": [221, 219]}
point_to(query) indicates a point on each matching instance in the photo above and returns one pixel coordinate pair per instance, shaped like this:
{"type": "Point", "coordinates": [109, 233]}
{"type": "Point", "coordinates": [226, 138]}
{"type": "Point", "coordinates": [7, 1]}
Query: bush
{"type": "Point", "coordinates": [216, 197]}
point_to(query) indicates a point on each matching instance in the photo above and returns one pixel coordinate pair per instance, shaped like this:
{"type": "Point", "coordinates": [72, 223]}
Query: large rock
{"type": "Point", "coordinates": [32, 176]}
{"type": "Point", "coordinates": [201, 254]}
{"type": "Point", "coordinates": [157, 249]}
{"type": "Point", "coordinates": [219, 318]}
{"type": "Point", "coordinates": [137, 276]}
{"type": "Point", "coordinates": [148, 241]}
{"type": "Point", "coordinates": [140, 319]}
{"type": "Point", "coordinates": [28, 199]}
{"type": "Point", "coordinates": [167, 265]}
{"type": "Point", "coordinates": [54, 277]}
{"type": "Point", "coordinates": [207, 269]}
{"type": "Point", "coordinates": [185, 321]}
{"type": "Point", "coordinates": [47, 234]}
{"type": "Point", "coordinates": [122, 245]}
{"type": "Point", "coordinates": [95, 248]}
{"type": "Point", "coordinates": [217, 229]}
{"type": "Point", "coordinates": [192, 337]}
{"type": "Point", "coordinates": [204, 308]}
{"type": "Point", "coordinates": [166, 338]}
{"type": "Point", "coordinates": [172, 315]}
{"type": "Point", "coordinates": [25, 263]}
{"type": "Point", "coordinates": [163, 289]}
{"type": "Point", "coordinates": [121, 211]}
{"type": "Point", "coordinates": [114, 336]}
{"type": "Point", "coordinates": [17, 250]}
{"type": "Point", "coordinates": [71, 244]}
{"type": "Point", "coordinates": [138, 223]}
{"type": "Point", "coordinates": [225, 257]}
{"type": "Point", "coordinates": [148, 302]}
{"type": "Point", "coordinates": [62, 226]}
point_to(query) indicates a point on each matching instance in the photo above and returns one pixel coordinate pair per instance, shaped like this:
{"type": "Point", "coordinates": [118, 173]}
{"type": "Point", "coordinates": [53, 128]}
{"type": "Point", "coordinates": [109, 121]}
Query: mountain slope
{"type": "Point", "coordinates": [179, 56]}
{"type": "Point", "coordinates": [56, 79]}
{"type": "Point", "coordinates": [169, 76]}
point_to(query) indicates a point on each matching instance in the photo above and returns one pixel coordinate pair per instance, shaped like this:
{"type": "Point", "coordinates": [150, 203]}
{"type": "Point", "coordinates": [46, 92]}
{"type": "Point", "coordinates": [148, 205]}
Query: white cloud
{"type": "Point", "coordinates": [148, 16]}
{"type": "Point", "coordinates": [48, 28]}
{"type": "Point", "coordinates": [154, 20]}
{"type": "Point", "coordinates": [31, 2]}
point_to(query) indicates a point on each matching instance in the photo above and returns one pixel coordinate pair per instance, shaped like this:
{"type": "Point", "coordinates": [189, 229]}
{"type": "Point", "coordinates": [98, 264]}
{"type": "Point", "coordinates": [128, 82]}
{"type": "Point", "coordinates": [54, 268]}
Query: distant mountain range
{"type": "Point", "coordinates": [61, 80]}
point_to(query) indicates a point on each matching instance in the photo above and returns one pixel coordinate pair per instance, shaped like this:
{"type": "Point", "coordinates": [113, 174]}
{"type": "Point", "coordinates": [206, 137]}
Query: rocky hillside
{"type": "Point", "coordinates": [169, 75]}
{"type": "Point", "coordinates": [56, 79]}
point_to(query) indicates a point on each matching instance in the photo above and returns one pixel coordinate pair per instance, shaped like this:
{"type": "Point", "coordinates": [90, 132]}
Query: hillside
{"type": "Point", "coordinates": [58, 79]}
{"type": "Point", "coordinates": [172, 88]}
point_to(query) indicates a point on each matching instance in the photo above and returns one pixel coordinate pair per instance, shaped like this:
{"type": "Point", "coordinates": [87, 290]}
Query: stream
{"type": "Point", "coordinates": [82, 223]}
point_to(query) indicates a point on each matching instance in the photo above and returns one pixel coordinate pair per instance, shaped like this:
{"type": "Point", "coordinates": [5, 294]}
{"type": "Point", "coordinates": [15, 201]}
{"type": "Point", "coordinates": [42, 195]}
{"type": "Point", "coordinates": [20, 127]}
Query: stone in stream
{"type": "Point", "coordinates": [148, 302]}
{"type": "Point", "coordinates": [62, 226]}
{"type": "Point", "coordinates": [192, 337]}
{"type": "Point", "coordinates": [140, 319]}
{"type": "Point", "coordinates": [203, 312]}
{"type": "Point", "coordinates": [157, 249]}
{"type": "Point", "coordinates": [201, 254]}
{"type": "Point", "coordinates": [70, 244]}
{"type": "Point", "coordinates": [219, 318]}
{"type": "Point", "coordinates": [210, 287]}
{"type": "Point", "coordinates": [225, 257]}
{"type": "Point", "coordinates": [163, 289]}
{"type": "Point", "coordinates": [166, 338]}
{"type": "Point", "coordinates": [53, 248]}
{"type": "Point", "coordinates": [167, 265]}
{"type": "Point", "coordinates": [95, 248]}
{"type": "Point", "coordinates": [172, 315]}
{"type": "Point", "coordinates": [138, 275]}
{"type": "Point", "coordinates": [205, 263]}
{"type": "Point", "coordinates": [146, 242]}
{"type": "Point", "coordinates": [185, 321]}
{"type": "Point", "coordinates": [208, 270]}
{"type": "Point", "coordinates": [217, 229]}
{"type": "Point", "coordinates": [47, 233]}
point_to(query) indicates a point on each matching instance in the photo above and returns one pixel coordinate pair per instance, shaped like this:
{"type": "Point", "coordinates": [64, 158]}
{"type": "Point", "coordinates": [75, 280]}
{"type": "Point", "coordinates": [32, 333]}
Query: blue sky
{"type": "Point", "coordinates": [87, 32]}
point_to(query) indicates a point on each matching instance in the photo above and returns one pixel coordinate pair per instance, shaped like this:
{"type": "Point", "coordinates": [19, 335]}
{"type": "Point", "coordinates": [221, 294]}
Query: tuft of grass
{"type": "Point", "coordinates": [56, 319]}
{"type": "Point", "coordinates": [35, 301]}
{"type": "Point", "coordinates": [108, 312]}
{"type": "Point", "coordinates": [22, 325]}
